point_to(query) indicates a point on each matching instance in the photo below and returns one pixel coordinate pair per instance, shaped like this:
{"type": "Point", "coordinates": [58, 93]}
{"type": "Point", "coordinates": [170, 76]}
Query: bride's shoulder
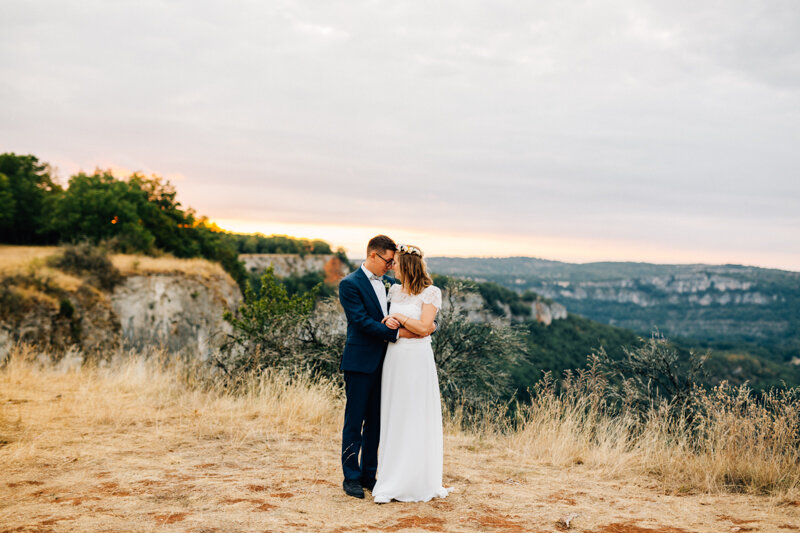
{"type": "Point", "coordinates": [432, 295]}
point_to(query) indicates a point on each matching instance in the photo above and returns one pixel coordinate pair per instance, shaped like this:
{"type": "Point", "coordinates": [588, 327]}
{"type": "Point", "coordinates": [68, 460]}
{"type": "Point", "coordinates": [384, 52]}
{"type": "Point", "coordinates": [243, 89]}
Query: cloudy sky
{"type": "Point", "coordinates": [579, 131]}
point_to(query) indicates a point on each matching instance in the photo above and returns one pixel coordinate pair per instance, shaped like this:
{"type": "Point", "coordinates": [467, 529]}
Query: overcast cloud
{"type": "Point", "coordinates": [675, 124]}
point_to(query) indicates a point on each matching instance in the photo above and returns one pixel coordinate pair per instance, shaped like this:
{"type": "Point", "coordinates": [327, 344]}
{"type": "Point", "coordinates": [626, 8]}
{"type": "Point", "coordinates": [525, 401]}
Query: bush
{"type": "Point", "coordinates": [90, 261]}
{"type": "Point", "coordinates": [653, 375]}
{"type": "Point", "coordinates": [623, 416]}
{"type": "Point", "coordinates": [474, 360]}
{"type": "Point", "coordinates": [298, 284]}
{"type": "Point", "coordinates": [273, 329]}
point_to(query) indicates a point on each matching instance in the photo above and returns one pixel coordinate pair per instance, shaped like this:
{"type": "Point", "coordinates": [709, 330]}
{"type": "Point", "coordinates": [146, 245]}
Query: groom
{"type": "Point", "coordinates": [363, 296]}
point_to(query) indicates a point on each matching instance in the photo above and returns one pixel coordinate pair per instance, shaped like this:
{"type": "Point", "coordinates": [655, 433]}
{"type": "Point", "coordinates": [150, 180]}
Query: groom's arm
{"type": "Point", "coordinates": [356, 313]}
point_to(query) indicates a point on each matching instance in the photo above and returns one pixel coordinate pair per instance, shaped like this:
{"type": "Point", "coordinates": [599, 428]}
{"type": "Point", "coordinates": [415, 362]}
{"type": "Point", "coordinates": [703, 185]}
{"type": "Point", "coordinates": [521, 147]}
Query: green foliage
{"type": "Point", "coordinates": [652, 377]}
{"type": "Point", "coordinates": [99, 207]}
{"type": "Point", "coordinates": [277, 244]}
{"type": "Point", "coordinates": [139, 214]}
{"type": "Point", "coordinates": [7, 204]}
{"type": "Point", "coordinates": [563, 345]}
{"type": "Point", "coordinates": [494, 295]}
{"type": "Point", "coordinates": [299, 284]}
{"type": "Point", "coordinates": [273, 329]}
{"type": "Point", "coordinates": [26, 187]}
{"type": "Point", "coordinates": [474, 360]}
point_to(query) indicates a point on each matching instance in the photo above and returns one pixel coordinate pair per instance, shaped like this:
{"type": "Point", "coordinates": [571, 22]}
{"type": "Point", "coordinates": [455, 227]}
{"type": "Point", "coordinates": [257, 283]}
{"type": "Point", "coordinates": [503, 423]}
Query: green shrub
{"type": "Point", "coordinates": [273, 329]}
{"type": "Point", "coordinates": [474, 360]}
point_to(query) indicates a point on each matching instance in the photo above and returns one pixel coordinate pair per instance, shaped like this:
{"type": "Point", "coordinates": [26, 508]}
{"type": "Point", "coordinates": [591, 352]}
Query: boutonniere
{"type": "Point", "coordinates": [387, 285]}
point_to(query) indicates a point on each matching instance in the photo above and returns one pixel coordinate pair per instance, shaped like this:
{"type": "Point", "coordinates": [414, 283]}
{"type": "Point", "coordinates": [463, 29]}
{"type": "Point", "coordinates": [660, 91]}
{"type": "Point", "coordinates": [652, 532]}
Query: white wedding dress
{"type": "Point", "coordinates": [411, 441]}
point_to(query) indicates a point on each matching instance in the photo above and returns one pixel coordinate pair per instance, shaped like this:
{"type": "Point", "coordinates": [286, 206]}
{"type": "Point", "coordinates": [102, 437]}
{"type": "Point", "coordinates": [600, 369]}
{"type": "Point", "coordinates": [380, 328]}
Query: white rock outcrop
{"type": "Point", "coordinates": [179, 311]}
{"type": "Point", "coordinates": [285, 265]}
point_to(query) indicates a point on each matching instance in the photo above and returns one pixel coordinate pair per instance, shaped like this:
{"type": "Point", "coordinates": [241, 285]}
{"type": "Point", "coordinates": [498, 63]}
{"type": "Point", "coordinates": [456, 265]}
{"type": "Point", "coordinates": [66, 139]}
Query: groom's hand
{"type": "Point", "coordinates": [391, 322]}
{"type": "Point", "coordinates": [404, 333]}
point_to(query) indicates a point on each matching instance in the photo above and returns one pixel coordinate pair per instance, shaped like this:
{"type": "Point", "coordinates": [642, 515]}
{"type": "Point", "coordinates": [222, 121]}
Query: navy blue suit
{"type": "Point", "coordinates": [362, 363]}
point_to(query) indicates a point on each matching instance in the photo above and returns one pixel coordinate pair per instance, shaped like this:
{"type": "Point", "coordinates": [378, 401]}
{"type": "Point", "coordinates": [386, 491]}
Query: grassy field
{"type": "Point", "coordinates": [140, 445]}
{"type": "Point", "coordinates": [16, 259]}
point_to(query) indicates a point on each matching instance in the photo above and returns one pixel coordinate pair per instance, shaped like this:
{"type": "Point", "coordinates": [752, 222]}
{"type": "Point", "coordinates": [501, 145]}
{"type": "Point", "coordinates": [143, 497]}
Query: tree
{"type": "Point", "coordinates": [7, 204]}
{"type": "Point", "coordinates": [273, 329]}
{"type": "Point", "coordinates": [25, 194]}
{"type": "Point", "coordinates": [100, 207]}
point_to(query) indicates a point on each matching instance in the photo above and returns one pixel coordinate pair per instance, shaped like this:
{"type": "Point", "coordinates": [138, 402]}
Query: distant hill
{"type": "Point", "coordinates": [744, 313]}
{"type": "Point", "coordinates": [704, 302]}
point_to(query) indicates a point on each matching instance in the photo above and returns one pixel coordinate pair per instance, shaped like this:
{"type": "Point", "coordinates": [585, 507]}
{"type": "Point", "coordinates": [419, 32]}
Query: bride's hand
{"type": "Point", "coordinates": [391, 322]}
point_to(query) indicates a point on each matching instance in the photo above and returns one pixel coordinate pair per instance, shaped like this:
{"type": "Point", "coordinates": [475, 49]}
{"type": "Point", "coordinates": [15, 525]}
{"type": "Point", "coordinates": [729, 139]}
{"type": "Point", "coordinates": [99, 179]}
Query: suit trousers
{"type": "Point", "coordinates": [362, 425]}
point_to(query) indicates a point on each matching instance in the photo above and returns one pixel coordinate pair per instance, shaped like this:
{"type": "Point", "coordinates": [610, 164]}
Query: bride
{"type": "Point", "coordinates": [411, 448]}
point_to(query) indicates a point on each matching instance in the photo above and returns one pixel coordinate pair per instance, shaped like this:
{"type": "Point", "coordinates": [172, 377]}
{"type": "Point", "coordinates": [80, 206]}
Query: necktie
{"type": "Point", "coordinates": [374, 277]}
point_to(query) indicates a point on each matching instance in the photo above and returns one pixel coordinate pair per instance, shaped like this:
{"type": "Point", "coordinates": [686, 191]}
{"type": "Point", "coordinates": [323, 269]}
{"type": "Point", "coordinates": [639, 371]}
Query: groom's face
{"type": "Point", "coordinates": [388, 255]}
{"type": "Point", "coordinates": [383, 262]}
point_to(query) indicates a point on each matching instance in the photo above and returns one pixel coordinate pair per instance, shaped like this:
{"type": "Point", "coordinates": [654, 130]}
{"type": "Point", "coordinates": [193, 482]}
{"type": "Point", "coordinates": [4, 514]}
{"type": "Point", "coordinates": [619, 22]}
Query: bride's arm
{"type": "Point", "coordinates": [423, 326]}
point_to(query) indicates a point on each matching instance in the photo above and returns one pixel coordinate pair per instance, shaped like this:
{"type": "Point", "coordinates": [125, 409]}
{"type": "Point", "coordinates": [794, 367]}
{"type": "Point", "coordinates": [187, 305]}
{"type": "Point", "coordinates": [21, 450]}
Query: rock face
{"type": "Point", "coordinates": [696, 288]}
{"type": "Point", "coordinates": [178, 311]}
{"type": "Point", "coordinates": [474, 306]}
{"type": "Point", "coordinates": [80, 316]}
{"type": "Point", "coordinates": [714, 303]}
{"type": "Point", "coordinates": [285, 265]}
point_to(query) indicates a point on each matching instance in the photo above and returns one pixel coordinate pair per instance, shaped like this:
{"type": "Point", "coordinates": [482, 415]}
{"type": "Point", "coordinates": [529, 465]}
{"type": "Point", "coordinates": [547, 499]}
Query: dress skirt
{"type": "Point", "coordinates": [411, 442]}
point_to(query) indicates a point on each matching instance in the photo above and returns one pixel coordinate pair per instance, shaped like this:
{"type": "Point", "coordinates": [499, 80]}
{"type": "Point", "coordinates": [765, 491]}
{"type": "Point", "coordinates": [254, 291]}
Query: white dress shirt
{"type": "Point", "coordinates": [379, 288]}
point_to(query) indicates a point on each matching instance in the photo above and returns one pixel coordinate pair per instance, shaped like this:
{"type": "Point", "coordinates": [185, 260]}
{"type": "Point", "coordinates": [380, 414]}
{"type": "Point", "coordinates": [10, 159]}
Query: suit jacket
{"type": "Point", "coordinates": [367, 338]}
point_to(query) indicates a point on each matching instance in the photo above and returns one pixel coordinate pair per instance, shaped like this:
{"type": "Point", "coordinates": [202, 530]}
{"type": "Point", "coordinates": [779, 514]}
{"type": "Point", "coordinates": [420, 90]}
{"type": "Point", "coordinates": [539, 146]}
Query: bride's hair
{"type": "Point", "coordinates": [412, 267]}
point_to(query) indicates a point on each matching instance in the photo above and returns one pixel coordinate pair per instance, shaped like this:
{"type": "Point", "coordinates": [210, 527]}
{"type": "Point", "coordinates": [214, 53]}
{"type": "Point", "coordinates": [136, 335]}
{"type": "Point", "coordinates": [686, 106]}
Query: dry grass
{"type": "Point", "coordinates": [30, 262]}
{"type": "Point", "coordinates": [142, 445]}
{"type": "Point", "coordinates": [737, 442]}
{"type": "Point", "coordinates": [142, 264]}
{"type": "Point", "coordinates": [18, 258]}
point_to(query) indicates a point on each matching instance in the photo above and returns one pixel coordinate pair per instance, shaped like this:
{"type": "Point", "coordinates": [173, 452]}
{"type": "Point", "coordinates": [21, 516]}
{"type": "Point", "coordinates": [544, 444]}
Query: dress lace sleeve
{"type": "Point", "coordinates": [392, 291]}
{"type": "Point", "coordinates": [432, 295]}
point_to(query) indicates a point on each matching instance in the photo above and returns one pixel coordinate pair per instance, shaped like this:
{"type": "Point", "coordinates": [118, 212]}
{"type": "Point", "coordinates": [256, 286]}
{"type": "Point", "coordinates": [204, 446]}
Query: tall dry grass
{"type": "Point", "coordinates": [735, 441]}
{"type": "Point", "coordinates": [136, 389]}
{"type": "Point", "coordinates": [130, 264]}
{"type": "Point", "coordinates": [729, 440]}
{"type": "Point", "coordinates": [27, 266]}
{"type": "Point", "coordinates": [14, 258]}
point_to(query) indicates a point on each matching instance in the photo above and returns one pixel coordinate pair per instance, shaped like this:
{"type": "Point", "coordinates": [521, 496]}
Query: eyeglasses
{"type": "Point", "coordinates": [389, 262]}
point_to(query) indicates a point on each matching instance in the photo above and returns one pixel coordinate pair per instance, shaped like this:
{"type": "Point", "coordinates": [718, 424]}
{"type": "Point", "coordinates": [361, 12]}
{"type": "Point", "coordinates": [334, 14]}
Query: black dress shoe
{"type": "Point", "coordinates": [353, 488]}
{"type": "Point", "coordinates": [369, 485]}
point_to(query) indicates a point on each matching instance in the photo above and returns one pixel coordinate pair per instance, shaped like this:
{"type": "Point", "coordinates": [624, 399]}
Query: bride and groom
{"type": "Point", "coordinates": [391, 385]}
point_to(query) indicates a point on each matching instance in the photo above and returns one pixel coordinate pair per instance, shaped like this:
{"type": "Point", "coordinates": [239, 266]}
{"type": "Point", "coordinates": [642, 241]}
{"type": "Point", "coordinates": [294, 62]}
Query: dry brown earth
{"type": "Point", "coordinates": [130, 449]}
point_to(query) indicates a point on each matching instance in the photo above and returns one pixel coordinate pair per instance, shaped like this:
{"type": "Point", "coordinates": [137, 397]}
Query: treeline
{"type": "Point", "coordinates": [278, 244]}
{"type": "Point", "coordinates": [139, 214]}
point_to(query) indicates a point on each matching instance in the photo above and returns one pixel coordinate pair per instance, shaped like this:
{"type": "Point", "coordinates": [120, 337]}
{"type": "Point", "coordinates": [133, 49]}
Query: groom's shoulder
{"type": "Point", "coordinates": [350, 278]}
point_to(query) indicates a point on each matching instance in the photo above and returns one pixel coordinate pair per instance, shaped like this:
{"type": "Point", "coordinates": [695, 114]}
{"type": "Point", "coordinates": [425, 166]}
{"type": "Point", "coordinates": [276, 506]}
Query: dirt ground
{"type": "Point", "coordinates": [133, 454]}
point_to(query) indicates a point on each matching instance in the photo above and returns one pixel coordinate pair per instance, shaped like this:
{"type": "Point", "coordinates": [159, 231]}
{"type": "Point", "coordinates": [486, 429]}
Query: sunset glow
{"type": "Point", "coordinates": [353, 239]}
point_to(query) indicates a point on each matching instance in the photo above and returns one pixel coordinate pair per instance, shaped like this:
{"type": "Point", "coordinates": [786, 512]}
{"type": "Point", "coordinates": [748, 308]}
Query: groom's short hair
{"type": "Point", "coordinates": [380, 243]}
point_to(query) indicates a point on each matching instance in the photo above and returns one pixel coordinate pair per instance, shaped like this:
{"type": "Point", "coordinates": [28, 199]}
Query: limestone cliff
{"type": "Point", "coordinates": [179, 311]}
{"type": "Point", "coordinates": [285, 265]}
{"type": "Point", "coordinates": [474, 307]}
{"type": "Point", "coordinates": [175, 303]}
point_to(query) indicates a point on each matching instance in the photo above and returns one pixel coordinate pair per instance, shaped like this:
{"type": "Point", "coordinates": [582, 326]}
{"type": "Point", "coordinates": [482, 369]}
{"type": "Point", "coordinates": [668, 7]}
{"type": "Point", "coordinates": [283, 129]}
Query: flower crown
{"type": "Point", "coordinates": [408, 249]}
